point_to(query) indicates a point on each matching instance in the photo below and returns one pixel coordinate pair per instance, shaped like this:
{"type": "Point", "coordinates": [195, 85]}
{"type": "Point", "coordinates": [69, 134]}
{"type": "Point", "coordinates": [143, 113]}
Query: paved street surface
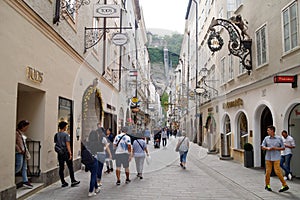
{"type": "Point", "coordinates": [206, 177]}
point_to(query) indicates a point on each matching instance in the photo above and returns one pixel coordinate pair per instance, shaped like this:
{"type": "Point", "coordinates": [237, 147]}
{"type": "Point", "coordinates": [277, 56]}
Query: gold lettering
{"type": "Point", "coordinates": [34, 75]}
{"type": "Point", "coordinates": [235, 103]}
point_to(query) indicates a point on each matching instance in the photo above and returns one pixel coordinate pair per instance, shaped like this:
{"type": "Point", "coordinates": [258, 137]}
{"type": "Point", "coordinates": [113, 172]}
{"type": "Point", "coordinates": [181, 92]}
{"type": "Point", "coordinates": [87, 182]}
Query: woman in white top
{"type": "Point", "coordinates": [183, 144]}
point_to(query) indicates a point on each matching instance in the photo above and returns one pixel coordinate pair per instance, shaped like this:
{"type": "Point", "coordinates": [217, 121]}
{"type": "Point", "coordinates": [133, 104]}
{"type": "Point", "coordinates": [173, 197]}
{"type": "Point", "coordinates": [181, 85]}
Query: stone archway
{"type": "Point", "coordinates": [92, 110]}
{"type": "Point", "coordinates": [265, 121]}
{"type": "Point", "coordinates": [294, 131]}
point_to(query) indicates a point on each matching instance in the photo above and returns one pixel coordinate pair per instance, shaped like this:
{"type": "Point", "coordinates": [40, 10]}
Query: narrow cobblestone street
{"type": "Point", "coordinates": [206, 177]}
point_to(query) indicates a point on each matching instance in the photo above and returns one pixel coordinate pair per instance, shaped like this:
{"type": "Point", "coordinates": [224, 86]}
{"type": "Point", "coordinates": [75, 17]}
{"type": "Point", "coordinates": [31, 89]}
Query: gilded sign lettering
{"type": "Point", "coordinates": [235, 103]}
{"type": "Point", "coordinates": [34, 75]}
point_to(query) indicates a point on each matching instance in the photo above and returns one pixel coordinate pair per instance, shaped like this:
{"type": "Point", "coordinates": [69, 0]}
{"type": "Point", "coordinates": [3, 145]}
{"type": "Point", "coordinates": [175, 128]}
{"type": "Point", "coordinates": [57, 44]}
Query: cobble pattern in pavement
{"type": "Point", "coordinates": [206, 177]}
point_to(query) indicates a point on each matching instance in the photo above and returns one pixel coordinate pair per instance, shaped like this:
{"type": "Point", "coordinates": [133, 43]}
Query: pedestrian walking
{"type": "Point", "coordinates": [62, 141]}
{"type": "Point", "coordinates": [21, 149]}
{"type": "Point", "coordinates": [122, 144]}
{"type": "Point", "coordinates": [98, 145]}
{"type": "Point", "coordinates": [286, 154]}
{"type": "Point", "coordinates": [273, 144]}
{"type": "Point", "coordinates": [164, 136]}
{"type": "Point", "coordinates": [109, 159]}
{"type": "Point", "coordinates": [183, 148]}
{"type": "Point", "coordinates": [139, 148]}
{"type": "Point", "coordinates": [91, 164]}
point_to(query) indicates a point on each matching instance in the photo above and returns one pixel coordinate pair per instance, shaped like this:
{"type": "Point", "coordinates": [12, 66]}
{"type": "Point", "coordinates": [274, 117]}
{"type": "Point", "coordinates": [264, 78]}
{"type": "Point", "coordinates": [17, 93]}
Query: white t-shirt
{"type": "Point", "coordinates": [290, 142]}
{"type": "Point", "coordinates": [123, 144]}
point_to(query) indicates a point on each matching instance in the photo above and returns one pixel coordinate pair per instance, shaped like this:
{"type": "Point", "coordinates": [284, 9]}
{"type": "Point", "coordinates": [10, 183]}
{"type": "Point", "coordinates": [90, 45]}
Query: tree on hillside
{"type": "Point", "coordinates": [172, 43]}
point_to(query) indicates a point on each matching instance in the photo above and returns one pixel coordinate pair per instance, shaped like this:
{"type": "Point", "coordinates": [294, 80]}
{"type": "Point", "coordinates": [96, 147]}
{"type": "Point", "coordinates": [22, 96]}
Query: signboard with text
{"type": "Point", "coordinates": [286, 79]}
{"type": "Point", "coordinates": [103, 11]}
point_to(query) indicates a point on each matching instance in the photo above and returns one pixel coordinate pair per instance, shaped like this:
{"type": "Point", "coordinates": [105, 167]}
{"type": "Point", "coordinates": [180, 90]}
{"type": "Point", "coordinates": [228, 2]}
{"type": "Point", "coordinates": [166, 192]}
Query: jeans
{"type": "Point", "coordinates": [277, 170]}
{"type": "Point", "coordinates": [164, 142]}
{"type": "Point", "coordinates": [183, 156]}
{"type": "Point", "coordinates": [61, 161]}
{"type": "Point", "coordinates": [285, 162]}
{"type": "Point", "coordinates": [99, 169]}
{"type": "Point", "coordinates": [21, 164]}
{"type": "Point", "coordinates": [93, 180]}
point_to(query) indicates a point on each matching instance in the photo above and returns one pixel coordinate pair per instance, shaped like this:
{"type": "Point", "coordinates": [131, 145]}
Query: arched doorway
{"type": "Point", "coordinates": [294, 131]}
{"type": "Point", "coordinates": [211, 133]}
{"type": "Point", "coordinates": [92, 110]}
{"type": "Point", "coordinates": [242, 130]}
{"type": "Point", "coordinates": [265, 121]}
{"type": "Point", "coordinates": [226, 138]}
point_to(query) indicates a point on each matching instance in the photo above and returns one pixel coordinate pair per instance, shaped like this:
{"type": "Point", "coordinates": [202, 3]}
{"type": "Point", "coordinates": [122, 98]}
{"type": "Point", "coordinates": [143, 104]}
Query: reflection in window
{"type": "Point", "coordinates": [243, 130]}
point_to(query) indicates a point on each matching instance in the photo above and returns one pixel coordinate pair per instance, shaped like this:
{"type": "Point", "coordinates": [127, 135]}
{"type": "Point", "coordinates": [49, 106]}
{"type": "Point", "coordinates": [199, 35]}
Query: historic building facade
{"type": "Point", "coordinates": [64, 62]}
{"type": "Point", "coordinates": [236, 106]}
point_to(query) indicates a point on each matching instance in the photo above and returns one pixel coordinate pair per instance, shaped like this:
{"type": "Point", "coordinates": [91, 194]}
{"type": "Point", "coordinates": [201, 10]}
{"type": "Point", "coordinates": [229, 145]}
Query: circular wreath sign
{"type": "Point", "coordinates": [215, 42]}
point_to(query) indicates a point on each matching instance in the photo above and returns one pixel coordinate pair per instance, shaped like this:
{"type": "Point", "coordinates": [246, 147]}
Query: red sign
{"type": "Point", "coordinates": [286, 79]}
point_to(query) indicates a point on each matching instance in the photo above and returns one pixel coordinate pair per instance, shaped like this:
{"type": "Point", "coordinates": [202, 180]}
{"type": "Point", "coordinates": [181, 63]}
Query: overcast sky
{"type": "Point", "coordinates": [165, 14]}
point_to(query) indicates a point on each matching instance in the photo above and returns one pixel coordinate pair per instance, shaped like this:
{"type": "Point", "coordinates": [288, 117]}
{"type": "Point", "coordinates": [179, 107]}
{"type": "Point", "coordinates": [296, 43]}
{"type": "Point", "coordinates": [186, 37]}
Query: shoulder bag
{"type": "Point", "coordinates": [178, 146]}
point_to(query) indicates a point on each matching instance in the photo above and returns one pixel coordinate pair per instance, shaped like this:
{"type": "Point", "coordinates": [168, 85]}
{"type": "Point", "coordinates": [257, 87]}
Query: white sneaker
{"type": "Point", "coordinates": [92, 194]}
{"type": "Point", "coordinates": [285, 178]}
{"type": "Point", "coordinates": [97, 190]}
{"type": "Point", "coordinates": [290, 176]}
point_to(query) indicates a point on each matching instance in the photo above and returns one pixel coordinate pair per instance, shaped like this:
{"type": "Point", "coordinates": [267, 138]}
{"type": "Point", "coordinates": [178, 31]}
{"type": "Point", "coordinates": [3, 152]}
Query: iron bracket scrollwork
{"type": "Point", "coordinates": [237, 45]}
{"type": "Point", "coordinates": [93, 35]}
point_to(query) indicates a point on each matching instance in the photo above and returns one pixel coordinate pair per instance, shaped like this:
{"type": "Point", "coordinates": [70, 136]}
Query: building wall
{"type": "Point", "coordinates": [55, 53]}
{"type": "Point", "coordinates": [257, 90]}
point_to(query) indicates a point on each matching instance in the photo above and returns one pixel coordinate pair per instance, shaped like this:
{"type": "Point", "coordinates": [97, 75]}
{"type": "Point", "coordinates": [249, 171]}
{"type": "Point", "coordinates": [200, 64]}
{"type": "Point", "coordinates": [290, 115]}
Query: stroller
{"type": "Point", "coordinates": [157, 138]}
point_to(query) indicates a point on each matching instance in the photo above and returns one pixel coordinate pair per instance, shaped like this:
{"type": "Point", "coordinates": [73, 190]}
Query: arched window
{"type": "Point", "coordinates": [243, 130]}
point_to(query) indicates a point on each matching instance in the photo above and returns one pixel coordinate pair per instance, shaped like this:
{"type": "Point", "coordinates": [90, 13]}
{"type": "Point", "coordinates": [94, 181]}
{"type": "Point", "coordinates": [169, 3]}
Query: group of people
{"type": "Point", "coordinates": [278, 153]}
{"type": "Point", "coordinates": [104, 147]}
{"type": "Point", "coordinates": [119, 148]}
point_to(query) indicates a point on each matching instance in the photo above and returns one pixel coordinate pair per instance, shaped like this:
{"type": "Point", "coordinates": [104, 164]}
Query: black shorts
{"type": "Point", "coordinates": [122, 159]}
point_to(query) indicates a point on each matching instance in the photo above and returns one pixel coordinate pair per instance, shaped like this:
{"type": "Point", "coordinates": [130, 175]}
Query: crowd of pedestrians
{"type": "Point", "coordinates": [103, 147]}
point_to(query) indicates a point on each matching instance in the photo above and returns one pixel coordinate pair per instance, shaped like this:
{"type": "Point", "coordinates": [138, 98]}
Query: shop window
{"type": "Point", "coordinates": [65, 113]}
{"type": "Point", "coordinates": [243, 130]}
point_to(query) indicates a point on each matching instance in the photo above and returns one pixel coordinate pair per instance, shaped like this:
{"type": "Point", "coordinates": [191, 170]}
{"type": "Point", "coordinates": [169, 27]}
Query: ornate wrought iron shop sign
{"type": "Point", "coordinates": [239, 41]}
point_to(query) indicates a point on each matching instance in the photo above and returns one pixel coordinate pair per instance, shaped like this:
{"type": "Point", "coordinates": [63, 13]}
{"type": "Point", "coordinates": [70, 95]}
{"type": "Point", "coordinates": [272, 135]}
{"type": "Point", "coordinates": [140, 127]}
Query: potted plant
{"type": "Point", "coordinates": [248, 155]}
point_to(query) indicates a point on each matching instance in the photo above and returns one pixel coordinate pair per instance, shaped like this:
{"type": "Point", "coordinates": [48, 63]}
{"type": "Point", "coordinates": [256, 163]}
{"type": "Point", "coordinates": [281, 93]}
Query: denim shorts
{"type": "Point", "coordinates": [183, 156]}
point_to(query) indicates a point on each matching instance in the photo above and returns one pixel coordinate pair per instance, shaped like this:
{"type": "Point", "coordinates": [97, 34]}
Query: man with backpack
{"type": "Point", "coordinates": [122, 144]}
{"type": "Point", "coordinates": [64, 154]}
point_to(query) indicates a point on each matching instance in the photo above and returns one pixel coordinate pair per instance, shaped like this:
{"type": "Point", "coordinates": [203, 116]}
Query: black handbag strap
{"type": "Point", "coordinates": [120, 140]}
{"type": "Point", "coordinates": [140, 144]}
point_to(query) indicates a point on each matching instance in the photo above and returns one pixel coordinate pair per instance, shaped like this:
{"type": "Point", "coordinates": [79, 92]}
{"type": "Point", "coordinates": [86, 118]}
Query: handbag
{"type": "Point", "coordinates": [59, 150]}
{"type": "Point", "coordinates": [27, 154]}
{"type": "Point", "coordinates": [178, 146]}
{"type": "Point", "coordinates": [148, 160]}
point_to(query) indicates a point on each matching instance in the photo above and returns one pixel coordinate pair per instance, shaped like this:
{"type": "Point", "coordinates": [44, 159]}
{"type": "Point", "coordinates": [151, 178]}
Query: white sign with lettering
{"type": "Point", "coordinates": [112, 11]}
